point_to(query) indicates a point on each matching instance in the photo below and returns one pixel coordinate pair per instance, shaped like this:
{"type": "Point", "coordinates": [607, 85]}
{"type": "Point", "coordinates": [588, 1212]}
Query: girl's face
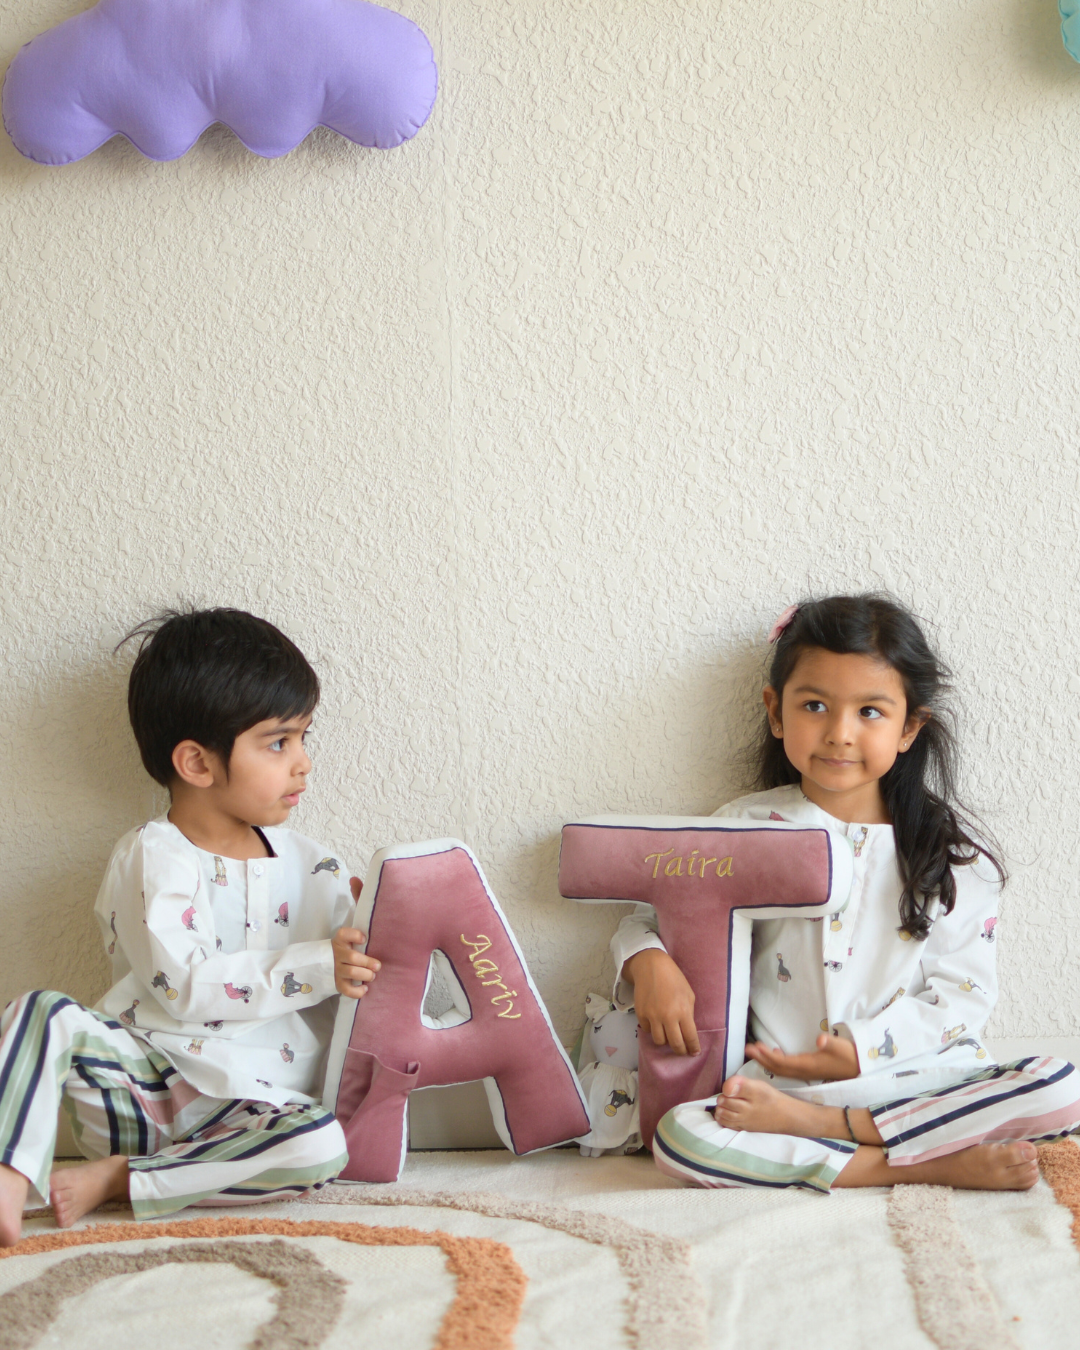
{"type": "Point", "coordinates": [843, 720]}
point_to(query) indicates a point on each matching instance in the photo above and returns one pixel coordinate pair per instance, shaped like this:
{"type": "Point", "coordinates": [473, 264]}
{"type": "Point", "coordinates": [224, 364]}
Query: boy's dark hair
{"type": "Point", "coordinates": [934, 831]}
{"type": "Point", "coordinates": [207, 675]}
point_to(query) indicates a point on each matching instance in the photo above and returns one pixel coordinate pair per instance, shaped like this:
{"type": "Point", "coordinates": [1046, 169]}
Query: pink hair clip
{"type": "Point", "coordinates": [782, 622]}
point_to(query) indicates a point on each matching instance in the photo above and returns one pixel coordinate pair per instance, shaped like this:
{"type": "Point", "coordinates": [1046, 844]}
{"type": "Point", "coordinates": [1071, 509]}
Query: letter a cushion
{"type": "Point", "coordinates": [708, 879]}
{"type": "Point", "coordinates": [427, 906]}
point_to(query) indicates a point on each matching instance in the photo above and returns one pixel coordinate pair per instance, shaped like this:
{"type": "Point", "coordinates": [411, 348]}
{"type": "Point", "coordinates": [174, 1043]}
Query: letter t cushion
{"type": "Point", "coordinates": [424, 907]}
{"type": "Point", "coordinates": [708, 879]}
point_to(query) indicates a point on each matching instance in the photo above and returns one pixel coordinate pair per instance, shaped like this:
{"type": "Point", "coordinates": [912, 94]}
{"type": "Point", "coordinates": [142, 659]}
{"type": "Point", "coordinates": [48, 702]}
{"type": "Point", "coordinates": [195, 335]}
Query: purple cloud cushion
{"type": "Point", "coordinates": [161, 71]}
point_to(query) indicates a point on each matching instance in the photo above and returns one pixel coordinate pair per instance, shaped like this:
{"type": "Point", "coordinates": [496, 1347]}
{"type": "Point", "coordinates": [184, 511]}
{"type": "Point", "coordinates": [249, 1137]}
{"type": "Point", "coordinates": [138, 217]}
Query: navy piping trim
{"type": "Point", "coordinates": [268, 845]}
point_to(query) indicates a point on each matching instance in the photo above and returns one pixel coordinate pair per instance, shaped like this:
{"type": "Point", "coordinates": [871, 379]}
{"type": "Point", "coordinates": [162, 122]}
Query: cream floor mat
{"type": "Point", "coordinates": [482, 1251]}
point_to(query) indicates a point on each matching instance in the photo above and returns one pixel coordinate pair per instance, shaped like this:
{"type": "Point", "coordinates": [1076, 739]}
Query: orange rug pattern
{"type": "Point", "coordinates": [490, 1283]}
{"type": "Point", "coordinates": [1060, 1165]}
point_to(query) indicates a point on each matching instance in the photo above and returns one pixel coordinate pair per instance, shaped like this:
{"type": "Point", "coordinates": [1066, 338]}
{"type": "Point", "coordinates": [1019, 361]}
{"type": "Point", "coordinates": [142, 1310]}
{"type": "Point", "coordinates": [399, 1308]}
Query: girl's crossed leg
{"type": "Point", "coordinates": [977, 1134]}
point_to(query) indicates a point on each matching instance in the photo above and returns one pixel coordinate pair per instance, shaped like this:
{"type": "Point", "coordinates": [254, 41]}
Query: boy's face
{"type": "Point", "coordinates": [267, 771]}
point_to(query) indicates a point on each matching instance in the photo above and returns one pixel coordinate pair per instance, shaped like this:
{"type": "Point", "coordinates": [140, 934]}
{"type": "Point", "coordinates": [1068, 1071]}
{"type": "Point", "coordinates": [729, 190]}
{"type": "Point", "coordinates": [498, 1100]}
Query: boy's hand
{"type": "Point", "coordinates": [353, 970]}
{"type": "Point", "coordinates": [834, 1059]}
{"type": "Point", "coordinates": [663, 1000]}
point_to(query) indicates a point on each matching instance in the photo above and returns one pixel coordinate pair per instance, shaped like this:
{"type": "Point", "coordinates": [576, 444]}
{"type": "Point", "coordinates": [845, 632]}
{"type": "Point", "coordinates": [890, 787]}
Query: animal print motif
{"type": "Point", "coordinates": [161, 981]}
{"type": "Point", "coordinates": [616, 1100]}
{"type": "Point", "coordinates": [886, 1050]}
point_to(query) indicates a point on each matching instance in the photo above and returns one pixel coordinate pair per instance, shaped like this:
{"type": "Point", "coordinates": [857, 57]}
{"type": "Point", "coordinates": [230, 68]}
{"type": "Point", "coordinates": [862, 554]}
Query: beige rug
{"type": "Point", "coordinates": [482, 1251]}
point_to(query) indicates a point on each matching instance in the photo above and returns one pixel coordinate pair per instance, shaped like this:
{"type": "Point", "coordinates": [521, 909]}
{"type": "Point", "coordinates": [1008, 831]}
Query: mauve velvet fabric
{"type": "Point", "coordinates": [161, 71]}
{"type": "Point", "coordinates": [771, 868]}
{"type": "Point", "coordinates": [424, 903]}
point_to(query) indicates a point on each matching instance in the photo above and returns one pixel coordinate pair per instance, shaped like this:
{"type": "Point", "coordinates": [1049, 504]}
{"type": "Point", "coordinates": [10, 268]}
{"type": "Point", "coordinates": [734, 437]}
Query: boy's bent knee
{"type": "Point", "coordinates": [332, 1138]}
{"type": "Point", "coordinates": [325, 1151]}
{"type": "Point", "coordinates": [326, 1141]}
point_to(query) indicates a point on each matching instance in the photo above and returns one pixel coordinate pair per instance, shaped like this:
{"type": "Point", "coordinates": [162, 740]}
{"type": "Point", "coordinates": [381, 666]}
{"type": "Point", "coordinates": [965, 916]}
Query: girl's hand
{"type": "Point", "coordinates": [663, 1000]}
{"type": "Point", "coordinates": [353, 970]}
{"type": "Point", "coordinates": [834, 1059]}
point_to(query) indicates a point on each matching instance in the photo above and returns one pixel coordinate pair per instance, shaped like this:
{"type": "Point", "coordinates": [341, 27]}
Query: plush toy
{"type": "Point", "coordinates": [708, 878]}
{"type": "Point", "coordinates": [425, 904]}
{"type": "Point", "coordinates": [161, 71]}
{"type": "Point", "coordinates": [608, 1072]}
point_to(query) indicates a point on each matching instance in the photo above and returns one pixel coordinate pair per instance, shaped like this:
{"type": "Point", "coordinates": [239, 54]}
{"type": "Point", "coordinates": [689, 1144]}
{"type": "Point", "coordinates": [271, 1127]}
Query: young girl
{"type": "Point", "coordinates": [867, 1065]}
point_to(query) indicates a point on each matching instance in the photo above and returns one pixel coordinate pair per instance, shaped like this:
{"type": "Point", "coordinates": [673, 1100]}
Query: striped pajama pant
{"type": "Point", "coordinates": [1036, 1098]}
{"type": "Point", "coordinates": [123, 1097]}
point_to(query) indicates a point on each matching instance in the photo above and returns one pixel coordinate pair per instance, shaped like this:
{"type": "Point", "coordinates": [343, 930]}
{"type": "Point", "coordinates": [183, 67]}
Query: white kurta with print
{"type": "Point", "coordinates": [915, 1010]}
{"type": "Point", "coordinates": [225, 966]}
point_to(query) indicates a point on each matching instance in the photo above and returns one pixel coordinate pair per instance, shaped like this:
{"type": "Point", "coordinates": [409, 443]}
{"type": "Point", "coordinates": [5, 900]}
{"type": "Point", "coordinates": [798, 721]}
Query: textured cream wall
{"type": "Point", "coordinates": [527, 430]}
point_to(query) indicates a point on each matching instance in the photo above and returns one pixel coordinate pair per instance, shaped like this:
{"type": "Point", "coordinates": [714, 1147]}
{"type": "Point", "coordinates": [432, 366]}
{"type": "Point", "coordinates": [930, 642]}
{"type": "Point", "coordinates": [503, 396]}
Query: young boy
{"type": "Point", "coordinates": [195, 1079]}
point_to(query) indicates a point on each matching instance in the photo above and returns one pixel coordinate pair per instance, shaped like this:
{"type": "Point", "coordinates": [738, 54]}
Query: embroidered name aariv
{"type": "Point", "coordinates": [486, 967]}
{"type": "Point", "coordinates": [673, 866]}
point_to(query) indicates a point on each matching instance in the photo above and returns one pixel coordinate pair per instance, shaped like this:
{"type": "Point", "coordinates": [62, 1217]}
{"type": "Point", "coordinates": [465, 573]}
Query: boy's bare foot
{"type": "Point", "coordinates": [750, 1104]}
{"type": "Point", "coordinates": [13, 1191]}
{"type": "Point", "coordinates": [75, 1191]}
{"type": "Point", "coordinates": [984, 1167]}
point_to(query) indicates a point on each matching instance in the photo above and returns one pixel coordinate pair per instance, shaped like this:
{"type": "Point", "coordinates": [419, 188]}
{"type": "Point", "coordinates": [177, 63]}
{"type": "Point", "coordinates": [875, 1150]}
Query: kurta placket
{"type": "Point", "coordinates": [838, 939]}
{"type": "Point", "coordinates": [258, 904]}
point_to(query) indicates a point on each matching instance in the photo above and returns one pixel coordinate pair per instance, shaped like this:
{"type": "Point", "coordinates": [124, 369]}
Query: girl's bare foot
{"type": "Point", "coordinates": [13, 1191]}
{"type": "Point", "coordinates": [984, 1167]}
{"type": "Point", "coordinates": [750, 1104]}
{"type": "Point", "coordinates": [75, 1191]}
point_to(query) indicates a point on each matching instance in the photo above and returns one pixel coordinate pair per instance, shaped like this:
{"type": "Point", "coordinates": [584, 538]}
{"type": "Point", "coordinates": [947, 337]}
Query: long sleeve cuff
{"type": "Point", "coordinates": [630, 939]}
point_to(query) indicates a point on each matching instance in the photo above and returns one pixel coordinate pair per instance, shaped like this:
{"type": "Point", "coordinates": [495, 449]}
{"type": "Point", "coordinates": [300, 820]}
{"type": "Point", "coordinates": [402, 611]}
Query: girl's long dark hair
{"type": "Point", "coordinates": [934, 831]}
